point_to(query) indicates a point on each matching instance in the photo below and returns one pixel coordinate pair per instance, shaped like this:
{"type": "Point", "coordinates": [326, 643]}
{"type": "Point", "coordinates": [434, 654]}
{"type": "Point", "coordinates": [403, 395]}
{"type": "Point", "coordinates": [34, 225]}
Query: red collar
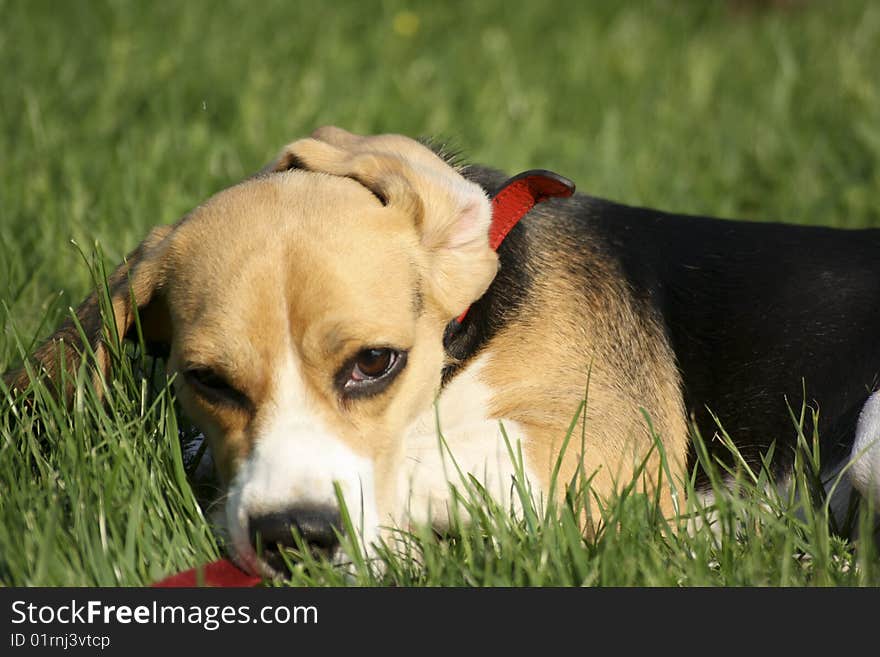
{"type": "Point", "coordinates": [514, 200]}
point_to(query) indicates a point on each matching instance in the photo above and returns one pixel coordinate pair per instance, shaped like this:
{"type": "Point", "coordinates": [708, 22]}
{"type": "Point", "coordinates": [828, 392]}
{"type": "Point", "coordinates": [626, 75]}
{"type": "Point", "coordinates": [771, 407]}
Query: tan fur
{"type": "Point", "coordinates": [574, 345]}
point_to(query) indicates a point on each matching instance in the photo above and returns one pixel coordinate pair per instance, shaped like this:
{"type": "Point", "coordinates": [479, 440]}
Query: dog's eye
{"type": "Point", "coordinates": [212, 385]}
{"type": "Point", "coordinates": [372, 363]}
{"type": "Point", "coordinates": [371, 370]}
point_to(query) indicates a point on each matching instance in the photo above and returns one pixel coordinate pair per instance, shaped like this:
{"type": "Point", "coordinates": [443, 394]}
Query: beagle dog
{"type": "Point", "coordinates": [309, 313]}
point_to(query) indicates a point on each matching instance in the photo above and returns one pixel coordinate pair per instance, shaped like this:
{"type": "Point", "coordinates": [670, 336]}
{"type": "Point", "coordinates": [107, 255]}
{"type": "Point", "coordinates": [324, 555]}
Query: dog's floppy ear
{"type": "Point", "coordinates": [134, 286]}
{"type": "Point", "coordinates": [451, 213]}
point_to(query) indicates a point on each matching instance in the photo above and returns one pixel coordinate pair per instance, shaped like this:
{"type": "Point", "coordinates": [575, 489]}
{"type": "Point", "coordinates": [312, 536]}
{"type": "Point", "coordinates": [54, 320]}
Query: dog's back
{"type": "Point", "coordinates": [762, 317]}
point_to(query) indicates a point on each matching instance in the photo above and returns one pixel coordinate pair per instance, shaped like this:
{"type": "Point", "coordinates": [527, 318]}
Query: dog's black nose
{"type": "Point", "coordinates": [317, 526]}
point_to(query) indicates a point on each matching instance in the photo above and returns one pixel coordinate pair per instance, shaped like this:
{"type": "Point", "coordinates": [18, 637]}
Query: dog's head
{"type": "Point", "coordinates": [303, 311]}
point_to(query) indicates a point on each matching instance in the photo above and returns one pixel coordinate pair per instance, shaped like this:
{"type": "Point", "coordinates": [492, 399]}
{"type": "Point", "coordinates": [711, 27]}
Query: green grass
{"type": "Point", "coordinates": [118, 116]}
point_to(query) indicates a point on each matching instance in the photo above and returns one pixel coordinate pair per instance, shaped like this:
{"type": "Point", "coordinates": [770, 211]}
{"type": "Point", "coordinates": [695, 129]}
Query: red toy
{"type": "Point", "coordinates": [219, 573]}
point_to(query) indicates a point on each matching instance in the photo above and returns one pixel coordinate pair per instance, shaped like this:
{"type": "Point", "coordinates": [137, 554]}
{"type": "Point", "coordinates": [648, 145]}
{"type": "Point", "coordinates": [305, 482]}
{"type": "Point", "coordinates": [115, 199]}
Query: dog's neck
{"type": "Point", "coordinates": [512, 200]}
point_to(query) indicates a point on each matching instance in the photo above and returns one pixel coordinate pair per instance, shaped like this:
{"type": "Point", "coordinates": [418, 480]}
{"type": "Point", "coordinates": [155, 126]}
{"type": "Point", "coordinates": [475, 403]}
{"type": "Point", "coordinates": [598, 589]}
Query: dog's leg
{"type": "Point", "coordinates": [435, 467]}
{"type": "Point", "coordinates": [865, 470]}
{"type": "Point", "coordinates": [453, 442]}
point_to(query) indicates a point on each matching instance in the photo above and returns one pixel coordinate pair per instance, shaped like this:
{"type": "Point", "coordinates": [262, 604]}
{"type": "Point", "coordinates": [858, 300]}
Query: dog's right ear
{"type": "Point", "coordinates": [134, 287]}
{"type": "Point", "coordinates": [451, 214]}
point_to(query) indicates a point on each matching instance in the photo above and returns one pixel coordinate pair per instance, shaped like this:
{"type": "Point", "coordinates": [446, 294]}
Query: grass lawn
{"type": "Point", "coordinates": [118, 116]}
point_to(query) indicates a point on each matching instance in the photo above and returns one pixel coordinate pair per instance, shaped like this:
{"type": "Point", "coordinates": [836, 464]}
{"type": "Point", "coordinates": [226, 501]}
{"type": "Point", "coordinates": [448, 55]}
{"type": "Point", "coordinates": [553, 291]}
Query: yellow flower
{"type": "Point", "coordinates": [406, 23]}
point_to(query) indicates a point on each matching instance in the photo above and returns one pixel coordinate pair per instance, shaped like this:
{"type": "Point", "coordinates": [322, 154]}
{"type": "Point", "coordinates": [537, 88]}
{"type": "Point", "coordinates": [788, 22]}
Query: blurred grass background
{"type": "Point", "coordinates": [118, 115]}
